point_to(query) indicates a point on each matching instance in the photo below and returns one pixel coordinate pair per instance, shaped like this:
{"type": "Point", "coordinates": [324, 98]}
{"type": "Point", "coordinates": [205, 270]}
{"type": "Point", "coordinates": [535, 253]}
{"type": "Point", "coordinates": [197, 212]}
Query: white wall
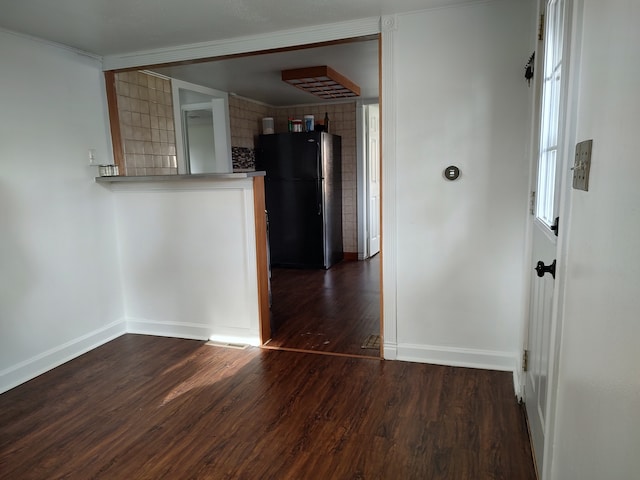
{"type": "Point", "coordinates": [462, 99]}
{"type": "Point", "coordinates": [59, 280]}
{"type": "Point", "coordinates": [598, 407]}
{"type": "Point", "coordinates": [189, 261]}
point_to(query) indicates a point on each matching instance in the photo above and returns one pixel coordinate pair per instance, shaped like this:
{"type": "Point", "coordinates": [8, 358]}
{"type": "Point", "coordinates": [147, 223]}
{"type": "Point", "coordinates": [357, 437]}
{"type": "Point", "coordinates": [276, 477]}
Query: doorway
{"type": "Point", "coordinates": [337, 310]}
{"type": "Point", "coordinates": [244, 76]}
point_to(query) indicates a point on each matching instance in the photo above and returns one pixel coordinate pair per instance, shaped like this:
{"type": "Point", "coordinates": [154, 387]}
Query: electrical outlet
{"type": "Point", "coordinates": [582, 165]}
{"type": "Point", "coordinates": [92, 157]}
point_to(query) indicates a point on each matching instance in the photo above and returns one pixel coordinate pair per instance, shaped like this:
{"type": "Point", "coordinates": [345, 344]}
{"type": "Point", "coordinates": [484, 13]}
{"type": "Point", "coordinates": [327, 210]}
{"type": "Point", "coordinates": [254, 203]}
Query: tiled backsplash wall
{"type": "Point", "coordinates": [245, 117]}
{"type": "Point", "coordinates": [145, 109]}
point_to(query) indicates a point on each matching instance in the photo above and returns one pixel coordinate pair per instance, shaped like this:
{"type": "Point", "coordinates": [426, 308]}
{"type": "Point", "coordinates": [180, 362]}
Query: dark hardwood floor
{"type": "Point", "coordinates": [331, 310]}
{"type": "Point", "coordinates": [145, 407]}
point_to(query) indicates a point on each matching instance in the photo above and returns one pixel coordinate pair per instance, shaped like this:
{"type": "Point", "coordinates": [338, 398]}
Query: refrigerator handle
{"type": "Point", "coordinates": [318, 180]}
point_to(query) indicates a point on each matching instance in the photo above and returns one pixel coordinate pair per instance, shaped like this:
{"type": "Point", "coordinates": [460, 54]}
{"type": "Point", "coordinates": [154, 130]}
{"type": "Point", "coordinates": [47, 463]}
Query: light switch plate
{"type": "Point", "coordinates": [582, 165]}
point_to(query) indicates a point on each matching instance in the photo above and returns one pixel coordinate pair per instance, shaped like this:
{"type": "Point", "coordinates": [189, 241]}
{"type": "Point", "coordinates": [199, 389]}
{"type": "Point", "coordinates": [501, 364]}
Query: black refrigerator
{"type": "Point", "coordinates": [303, 194]}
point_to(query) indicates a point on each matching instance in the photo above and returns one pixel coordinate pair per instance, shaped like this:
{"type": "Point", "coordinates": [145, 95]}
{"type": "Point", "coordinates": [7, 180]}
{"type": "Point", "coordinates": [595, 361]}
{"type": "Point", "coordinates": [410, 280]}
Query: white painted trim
{"type": "Point", "coordinates": [253, 43]}
{"type": "Point", "coordinates": [390, 351]}
{"type": "Point", "coordinates": [24, 371]}
{"type": "Point", "coordinates": [156, 74]}
{"type": "Point", "coordinates": [458, 357]}
{"type": "Point", "coordinates": [573, 51]}
{"type": "Point", "coordinates": [388, 240]}
{"type": "Point", "coordinates": [193, 331]}
{"type": "Point", "coordinates": [250, 100]}
{"type": "Point", "coordinates": [60, 46]}
{"type": "Point", "coordinates": [518, 379]}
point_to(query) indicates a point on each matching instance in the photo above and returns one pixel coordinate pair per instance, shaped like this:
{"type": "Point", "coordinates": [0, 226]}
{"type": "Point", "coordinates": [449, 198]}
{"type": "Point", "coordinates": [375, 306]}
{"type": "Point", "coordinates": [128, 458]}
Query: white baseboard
{"type": "Point", "coordinates": [458, 357]}
{"type": "Point", "coordinates": [192, 331]}
{"type": "Point", "coordinates": [24, 371]}
{"type": "Point", "coordinates": [464, 357]}
{"type": "Point", "coordinates": [518, 379]}
{"type": "Point", "coordinates": [390, 351]}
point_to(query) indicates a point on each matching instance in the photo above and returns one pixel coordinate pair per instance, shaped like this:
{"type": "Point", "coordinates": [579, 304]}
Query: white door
{"type": "Point", "coordinates": [540, 316]}
{"type": "Point", "coordinates": [373, 168]}
{"type": "Point", "coordinates": [544, 228]}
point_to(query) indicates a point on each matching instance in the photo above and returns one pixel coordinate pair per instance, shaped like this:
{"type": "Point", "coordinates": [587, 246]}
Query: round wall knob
{"type": "Point", "coordinates": [451, 172]}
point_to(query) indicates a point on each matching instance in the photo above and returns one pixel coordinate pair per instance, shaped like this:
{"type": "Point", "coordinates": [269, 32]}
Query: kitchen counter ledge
{"type": "Point", "coordinates": [178, 178]}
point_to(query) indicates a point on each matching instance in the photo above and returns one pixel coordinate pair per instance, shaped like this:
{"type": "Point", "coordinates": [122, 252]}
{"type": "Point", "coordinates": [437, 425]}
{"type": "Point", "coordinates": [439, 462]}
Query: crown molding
{"type": "Point", "coordinates": [50, 43]}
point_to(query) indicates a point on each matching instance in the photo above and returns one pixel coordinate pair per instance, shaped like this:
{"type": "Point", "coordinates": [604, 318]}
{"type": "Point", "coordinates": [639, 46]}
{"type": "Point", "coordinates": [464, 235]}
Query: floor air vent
{"type": "Point", "coordinates": [237, 346]}
{"type": "Point", "coordinates": [372, 341]}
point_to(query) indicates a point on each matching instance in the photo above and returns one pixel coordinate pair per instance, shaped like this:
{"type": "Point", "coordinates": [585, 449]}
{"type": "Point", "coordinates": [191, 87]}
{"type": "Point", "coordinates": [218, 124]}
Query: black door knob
{"type": "Point", "coordinates": [541, 269]}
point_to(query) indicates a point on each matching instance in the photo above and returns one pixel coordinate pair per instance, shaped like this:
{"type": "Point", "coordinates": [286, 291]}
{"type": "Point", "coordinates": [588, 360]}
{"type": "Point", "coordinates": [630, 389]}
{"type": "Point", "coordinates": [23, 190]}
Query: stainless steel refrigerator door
{"type": "Point", "coordinates": [331, 165]}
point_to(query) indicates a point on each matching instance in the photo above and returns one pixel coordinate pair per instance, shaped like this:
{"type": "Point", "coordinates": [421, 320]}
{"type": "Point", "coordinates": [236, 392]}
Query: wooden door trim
{"type": "Point", "coordinates": [114, 121]}
{"type": "Point", "coordinates": [262, 263]}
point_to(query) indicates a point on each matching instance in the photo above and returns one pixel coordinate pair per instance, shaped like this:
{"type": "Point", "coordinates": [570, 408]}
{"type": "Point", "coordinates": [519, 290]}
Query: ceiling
{"type": "Point", "coordinates": [258, 76]}
{"type": "Point", "coordinates": [109, 27]}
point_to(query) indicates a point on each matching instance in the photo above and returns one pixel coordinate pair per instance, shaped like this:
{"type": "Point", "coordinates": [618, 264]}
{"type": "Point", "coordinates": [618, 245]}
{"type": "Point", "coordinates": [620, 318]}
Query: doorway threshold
{"type": "Point", "coordinates": [266, 346]}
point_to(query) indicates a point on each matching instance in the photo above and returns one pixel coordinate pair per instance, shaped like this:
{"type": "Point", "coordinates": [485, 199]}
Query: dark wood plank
{"type": "Point", "coordinates": [152, 408]}
{"type": "Point", "coordinates": [327, 310]}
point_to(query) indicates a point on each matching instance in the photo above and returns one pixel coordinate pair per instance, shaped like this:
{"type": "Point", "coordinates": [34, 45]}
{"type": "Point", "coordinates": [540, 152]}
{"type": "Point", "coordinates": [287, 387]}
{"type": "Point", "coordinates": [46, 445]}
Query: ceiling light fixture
{"type": "Point", "coordinates": [322, 81]}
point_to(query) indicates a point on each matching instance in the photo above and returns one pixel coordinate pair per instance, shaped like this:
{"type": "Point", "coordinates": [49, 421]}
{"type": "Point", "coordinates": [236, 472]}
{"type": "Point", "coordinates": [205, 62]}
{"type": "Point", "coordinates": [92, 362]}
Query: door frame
{"type": "Point", "coordinates": [567, 141]}
{"type": "Point", "coordinates": [573, 51]}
